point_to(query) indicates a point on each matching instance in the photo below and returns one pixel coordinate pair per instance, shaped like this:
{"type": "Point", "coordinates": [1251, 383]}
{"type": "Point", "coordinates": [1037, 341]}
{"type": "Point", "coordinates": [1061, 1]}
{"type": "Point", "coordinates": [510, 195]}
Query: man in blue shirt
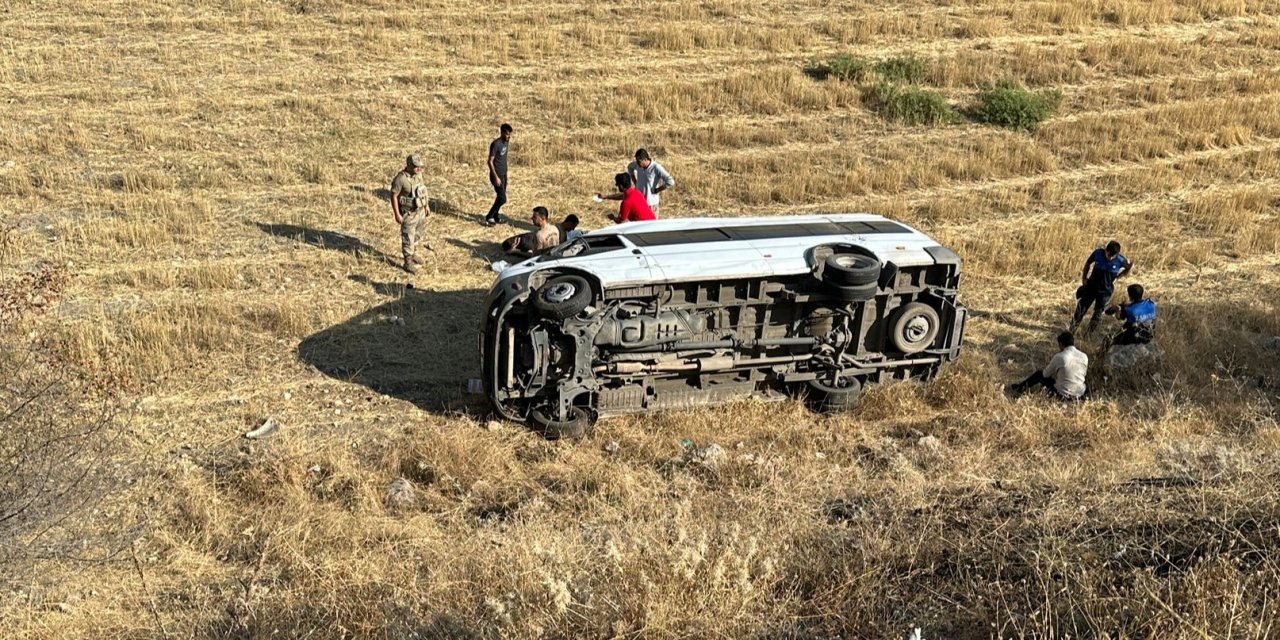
{"type": "Point", "coordinates": [1139, 316]}
{"type": "Point", "coordinates": [1097, 282]}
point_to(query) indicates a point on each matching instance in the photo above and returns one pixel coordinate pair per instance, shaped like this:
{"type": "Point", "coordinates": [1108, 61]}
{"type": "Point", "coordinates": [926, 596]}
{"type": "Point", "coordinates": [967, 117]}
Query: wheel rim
{"type": "Point", "coordinates": [559, 292]}
{"type": "Point", "coordinates": [917, 329]}
{"type": "Point", "coordinates": [846, 261]}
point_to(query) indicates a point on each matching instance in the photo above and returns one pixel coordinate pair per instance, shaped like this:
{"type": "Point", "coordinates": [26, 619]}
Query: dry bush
{"type": "Point", "coordinates": [60, 433]}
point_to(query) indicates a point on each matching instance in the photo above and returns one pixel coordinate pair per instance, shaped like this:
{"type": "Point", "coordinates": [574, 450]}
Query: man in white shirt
{"type": "Point", "coordinates": [1064, 376]}
{"type": "Point", "coordinates": [650, 178]}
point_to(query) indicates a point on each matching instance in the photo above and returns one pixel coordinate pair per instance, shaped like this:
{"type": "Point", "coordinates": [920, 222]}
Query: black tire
{"type": "Point", "coordinates": [575, 427]}
{"type": "Point", "coordinates": [852, 293]}
{"type": "Point", "coordinates": [830, 397]}
{"type": "Point", "coordinates": [915, 326]}
{"type": "Point", "coordinates": [850, 270]}
{"type": "Point", "coordinates": [562, 297]}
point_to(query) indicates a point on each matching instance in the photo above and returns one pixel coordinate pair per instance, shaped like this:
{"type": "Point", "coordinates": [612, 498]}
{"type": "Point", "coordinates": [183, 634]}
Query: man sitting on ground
{"type": "Point", "coordinates": [1138, 315]}
{"type": "Point", "coordinates": [1064, 377]}
{"type": "Point", "coordinates": [544, 237]}
{"type": "Point", "coordinates": [569, 228]}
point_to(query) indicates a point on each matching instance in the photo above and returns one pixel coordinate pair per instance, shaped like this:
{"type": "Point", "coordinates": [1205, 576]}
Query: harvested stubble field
{"type": "Point", "coordinates": [194, 191]}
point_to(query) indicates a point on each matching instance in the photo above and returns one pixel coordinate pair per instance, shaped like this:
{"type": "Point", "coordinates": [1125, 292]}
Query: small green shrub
{"type": "Point", "coordinates": [843, 67]}
{"type": "Point", "coordinates": [911, 104]}
{"type": "Point", "coordinates": [908, 69]}
{"type": "Point", "coordinates": [1008, 105]}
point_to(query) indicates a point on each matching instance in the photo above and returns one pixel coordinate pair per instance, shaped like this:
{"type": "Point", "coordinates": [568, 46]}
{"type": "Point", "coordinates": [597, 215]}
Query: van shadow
{"type": "Point", "coordinates": [420, 347]}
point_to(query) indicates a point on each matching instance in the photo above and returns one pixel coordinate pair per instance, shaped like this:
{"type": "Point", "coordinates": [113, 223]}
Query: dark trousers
{"type": "Point", "coordinates": [1090, 298]}
{"type": "Point", "coordinates": [1038, 379]}
{"type": "Point", "coordinates": [1131, 335]}
{"type": "Point", "coordinates": [500, 198]}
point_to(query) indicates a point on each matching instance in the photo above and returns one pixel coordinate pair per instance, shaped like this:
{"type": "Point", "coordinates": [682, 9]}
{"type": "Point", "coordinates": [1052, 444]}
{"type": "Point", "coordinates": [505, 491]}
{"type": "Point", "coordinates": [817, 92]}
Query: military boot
{"type": "Point", "coordinates": [417, 260]}
{"type": "Point", "coordinates": [410, 266]}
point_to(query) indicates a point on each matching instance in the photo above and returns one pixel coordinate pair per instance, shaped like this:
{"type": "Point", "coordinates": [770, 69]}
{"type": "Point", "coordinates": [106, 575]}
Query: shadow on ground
{"type": "Point", "coordinates": [420, 347]}
{"type": "Point", "coordinates": [331, 240]}
{"type": "Point", "coordinates": [487, 251]}
{"type": "Point", "coordinates": [438, 206]}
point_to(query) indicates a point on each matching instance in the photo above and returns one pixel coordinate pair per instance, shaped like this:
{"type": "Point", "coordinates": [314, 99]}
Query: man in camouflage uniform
{"type": "Point", "coordinates": [410, 206]}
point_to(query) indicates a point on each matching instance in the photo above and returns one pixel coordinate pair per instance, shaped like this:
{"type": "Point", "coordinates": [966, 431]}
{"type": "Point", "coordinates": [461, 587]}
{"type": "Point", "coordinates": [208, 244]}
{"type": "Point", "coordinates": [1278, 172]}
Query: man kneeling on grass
{"type": "Point", "coordinates": [1138, 315]}
{"type": "Point", "coordinates": [544, 237]}
{"type": "Point", "coordinates": [1064, 376]}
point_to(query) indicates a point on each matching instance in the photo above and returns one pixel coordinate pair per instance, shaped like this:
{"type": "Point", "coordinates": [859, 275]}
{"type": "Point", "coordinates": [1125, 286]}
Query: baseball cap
{"type": "Point", "coordinates": [414, 160]}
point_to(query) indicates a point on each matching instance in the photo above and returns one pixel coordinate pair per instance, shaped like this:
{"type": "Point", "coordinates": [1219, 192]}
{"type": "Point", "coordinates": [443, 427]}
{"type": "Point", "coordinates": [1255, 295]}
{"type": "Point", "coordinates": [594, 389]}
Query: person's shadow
{"type": "Point", "coordinates": [420, 347]}
{"type": "Point", "coordinates": [322, 239]}
{"type": "Point", "coordinates": [486, 251]}
{"type": "Point", "coordinates": [438, 205]}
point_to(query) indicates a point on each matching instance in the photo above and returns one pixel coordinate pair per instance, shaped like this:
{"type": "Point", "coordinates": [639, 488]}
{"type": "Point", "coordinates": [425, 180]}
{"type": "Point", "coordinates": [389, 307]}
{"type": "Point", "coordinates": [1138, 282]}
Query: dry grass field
{"type": "Point", "coordinates": [194, 235]}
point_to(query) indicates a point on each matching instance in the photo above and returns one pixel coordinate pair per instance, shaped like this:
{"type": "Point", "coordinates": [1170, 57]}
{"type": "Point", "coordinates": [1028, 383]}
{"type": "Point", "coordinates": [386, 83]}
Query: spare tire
{"type": "Point", "coordinates": [858, 293]}
{"type": "Point", "coordinates": [914, 327]}
{"type": "Point", "coordinates": [552, 428]}
{"type": "Point", "coordinates": [850, 269]}
{"type": "Point", "coordinates": [562, 297]}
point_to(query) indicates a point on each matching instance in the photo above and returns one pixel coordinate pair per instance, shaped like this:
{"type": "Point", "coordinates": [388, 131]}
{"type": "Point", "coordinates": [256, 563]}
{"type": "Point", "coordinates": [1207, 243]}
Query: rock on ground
{"type": "Point", "coordinates": [400, 495]}
{"type": "Point", "coordinates": [1132, 355]}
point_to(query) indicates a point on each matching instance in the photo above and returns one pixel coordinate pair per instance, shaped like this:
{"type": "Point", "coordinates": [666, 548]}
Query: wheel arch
{"type": "Point", "coordinates": [540, 277]}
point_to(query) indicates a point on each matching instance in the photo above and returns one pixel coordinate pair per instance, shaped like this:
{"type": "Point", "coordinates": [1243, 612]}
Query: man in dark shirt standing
{"type": "Point", "coordinates": [1097, 282]}
{"type": "Point", "coordinates": [498, 173]}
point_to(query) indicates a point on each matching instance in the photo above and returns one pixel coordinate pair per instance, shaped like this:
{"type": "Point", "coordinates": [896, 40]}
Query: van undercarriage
{"type": "Point", "coordinates": [560, 351]}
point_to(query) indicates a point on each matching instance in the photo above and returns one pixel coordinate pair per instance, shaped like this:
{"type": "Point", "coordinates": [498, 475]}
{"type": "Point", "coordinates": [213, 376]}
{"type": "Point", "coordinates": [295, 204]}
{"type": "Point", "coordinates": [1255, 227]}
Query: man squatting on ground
{"type": "Point", "coordinates": [498, 173]}
{"type": "Point", "coordinates": [544, 237]}
{"type": "Point", "coordinates": [1064, 376]}
{"type": "Point", "coordinates": [1138, 315]}
{"type": "Point", "coordinates": [634, 208]}
{"type": "Point", "coordinates": [1097, 282]}
{"type": "Point", "coordinates": [410, 205]}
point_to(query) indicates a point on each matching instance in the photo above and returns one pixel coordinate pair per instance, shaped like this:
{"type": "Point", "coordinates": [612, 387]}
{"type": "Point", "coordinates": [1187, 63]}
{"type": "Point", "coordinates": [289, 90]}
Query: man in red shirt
{"type": "Point", "coordinates": [634, 207]}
